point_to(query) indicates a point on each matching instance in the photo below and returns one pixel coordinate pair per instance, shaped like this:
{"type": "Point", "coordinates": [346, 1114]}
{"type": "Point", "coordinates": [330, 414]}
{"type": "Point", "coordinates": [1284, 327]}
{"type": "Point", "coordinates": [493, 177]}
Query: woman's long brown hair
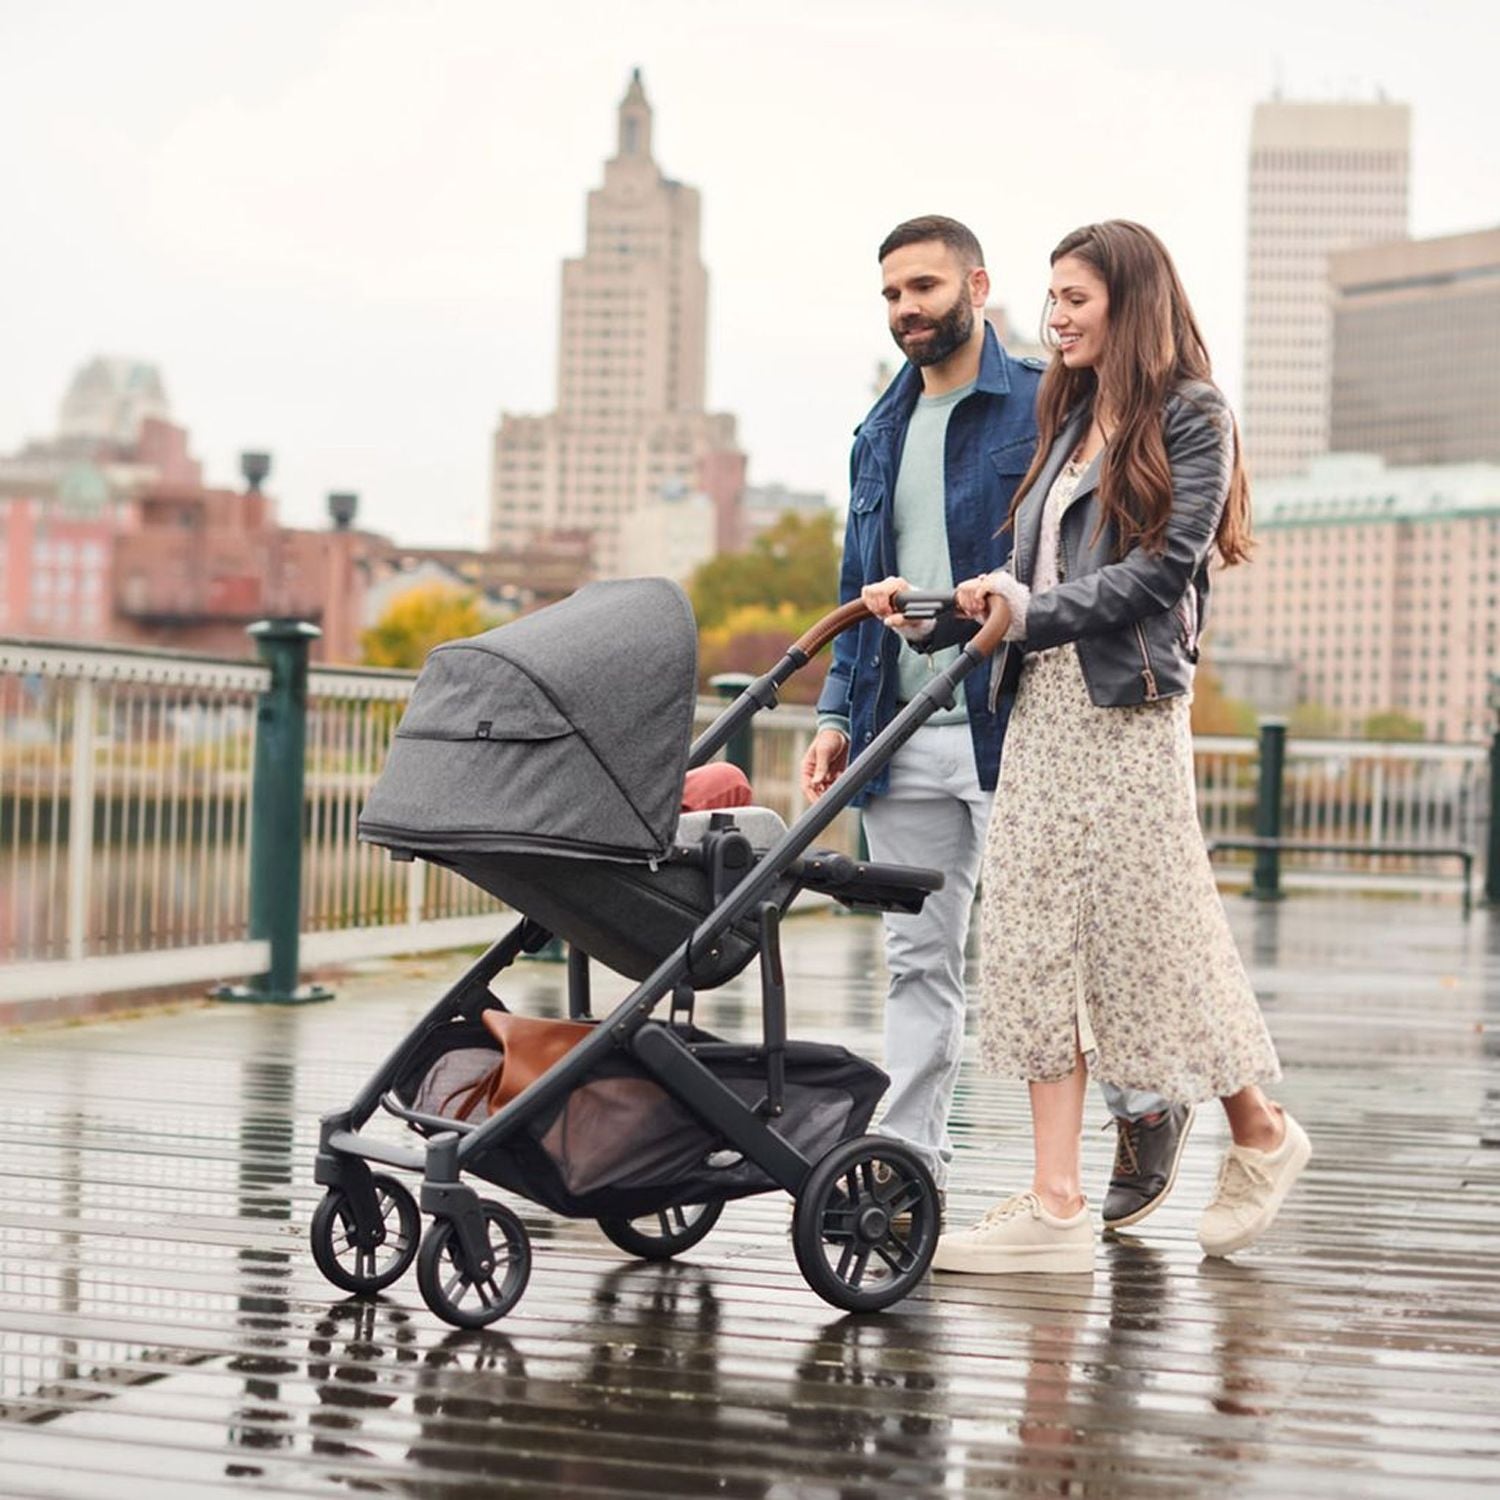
{"type": "Point", "coordinates": [1152, 346]}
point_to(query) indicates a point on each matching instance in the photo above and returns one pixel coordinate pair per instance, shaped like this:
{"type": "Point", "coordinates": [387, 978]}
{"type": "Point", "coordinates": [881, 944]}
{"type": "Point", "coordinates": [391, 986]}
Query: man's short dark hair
{"type": "Point", "coordinates": [959, 238]}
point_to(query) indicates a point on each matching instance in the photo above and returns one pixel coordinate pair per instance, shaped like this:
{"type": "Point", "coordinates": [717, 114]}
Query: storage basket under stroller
{"type": "Point", "coordinates": [619, 1145]}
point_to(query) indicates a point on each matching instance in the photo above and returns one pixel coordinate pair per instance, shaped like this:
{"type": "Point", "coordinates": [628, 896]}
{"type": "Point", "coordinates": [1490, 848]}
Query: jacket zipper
{"type": "Point", "coordinates": [1147, 675]}
{"type": "Point", "coordinates": [1188, 609]}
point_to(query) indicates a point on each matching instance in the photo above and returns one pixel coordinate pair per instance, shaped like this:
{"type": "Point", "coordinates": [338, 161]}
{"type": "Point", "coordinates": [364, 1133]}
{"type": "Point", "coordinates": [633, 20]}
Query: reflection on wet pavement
{"type": "Point", "coordinates": [164, 1333]}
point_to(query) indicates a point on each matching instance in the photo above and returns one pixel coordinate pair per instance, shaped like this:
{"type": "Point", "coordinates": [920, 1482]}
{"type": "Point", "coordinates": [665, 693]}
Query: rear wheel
{"type": "Point", "coordinates": [471, 1296]}
{"type": "Point", "coordinates": [866, 1224]}
{"type": "Point", "coordinates": [369, 1261]}
{"type": "Point", "coordinates": [662, 1235]}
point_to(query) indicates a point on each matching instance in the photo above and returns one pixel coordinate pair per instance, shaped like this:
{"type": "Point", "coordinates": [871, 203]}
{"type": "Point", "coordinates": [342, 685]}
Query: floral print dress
{"type": "Point", "coordinates": [1102, 924]}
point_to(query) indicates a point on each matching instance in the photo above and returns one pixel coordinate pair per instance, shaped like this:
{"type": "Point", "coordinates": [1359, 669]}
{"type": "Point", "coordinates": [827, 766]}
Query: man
{"type": "Point", "coordinates": [932, 474]}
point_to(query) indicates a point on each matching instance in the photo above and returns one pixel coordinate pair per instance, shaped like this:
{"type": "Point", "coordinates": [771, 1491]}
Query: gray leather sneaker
{"type": "Point", "coordinates": [1146, 1158]}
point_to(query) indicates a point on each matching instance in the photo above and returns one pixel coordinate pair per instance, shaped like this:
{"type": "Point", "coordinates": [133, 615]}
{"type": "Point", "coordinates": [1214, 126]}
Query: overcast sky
{"type": "Point", "coordinates": [337, 227]}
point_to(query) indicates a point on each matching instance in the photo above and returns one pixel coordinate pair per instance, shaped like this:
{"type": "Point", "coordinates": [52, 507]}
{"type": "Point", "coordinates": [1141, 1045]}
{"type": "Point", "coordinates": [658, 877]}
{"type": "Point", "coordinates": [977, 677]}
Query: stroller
{"type": "Point", "coordinates": [545, 761]}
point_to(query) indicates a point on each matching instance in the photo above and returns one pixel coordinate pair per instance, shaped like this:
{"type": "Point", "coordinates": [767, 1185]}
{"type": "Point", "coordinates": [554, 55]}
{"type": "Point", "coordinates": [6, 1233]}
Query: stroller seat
{"type": "Point", "coordinates": [761, 825]}
{"type": "Point", "coordinates": [632, 916]}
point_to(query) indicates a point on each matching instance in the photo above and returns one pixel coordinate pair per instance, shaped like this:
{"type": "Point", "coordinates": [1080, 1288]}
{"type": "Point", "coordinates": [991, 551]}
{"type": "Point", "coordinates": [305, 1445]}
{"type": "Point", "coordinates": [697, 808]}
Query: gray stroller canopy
{"type": "Point", "coordinates": [566, 731]}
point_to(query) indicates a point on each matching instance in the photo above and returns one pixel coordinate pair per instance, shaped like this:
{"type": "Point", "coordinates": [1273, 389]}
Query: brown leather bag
{"type": "Point", "coordinates": [529, 1045]}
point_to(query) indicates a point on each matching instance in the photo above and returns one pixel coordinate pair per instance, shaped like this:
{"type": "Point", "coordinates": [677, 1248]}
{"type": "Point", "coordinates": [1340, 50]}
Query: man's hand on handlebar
{"type": "Point", "coordinates": [824, 763]}
{"type": "Point", "coordinates": [880, 600]}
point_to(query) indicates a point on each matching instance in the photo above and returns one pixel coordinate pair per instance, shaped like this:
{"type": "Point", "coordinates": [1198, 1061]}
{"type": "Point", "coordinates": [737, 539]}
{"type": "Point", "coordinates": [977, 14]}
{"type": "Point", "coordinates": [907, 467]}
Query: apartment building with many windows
{"type": "Point", "coordinates": [1380, 585]}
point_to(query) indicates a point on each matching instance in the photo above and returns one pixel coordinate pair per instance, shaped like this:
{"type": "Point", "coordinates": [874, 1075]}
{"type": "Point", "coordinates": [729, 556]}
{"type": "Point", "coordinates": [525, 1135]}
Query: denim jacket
{"type": "Point", "coordinates": [990, 441]}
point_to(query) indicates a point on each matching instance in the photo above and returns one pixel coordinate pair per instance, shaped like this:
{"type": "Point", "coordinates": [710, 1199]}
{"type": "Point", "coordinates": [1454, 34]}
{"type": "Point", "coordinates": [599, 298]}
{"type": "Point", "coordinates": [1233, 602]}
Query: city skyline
{"type": "Point", "coordinates": [362, 290]}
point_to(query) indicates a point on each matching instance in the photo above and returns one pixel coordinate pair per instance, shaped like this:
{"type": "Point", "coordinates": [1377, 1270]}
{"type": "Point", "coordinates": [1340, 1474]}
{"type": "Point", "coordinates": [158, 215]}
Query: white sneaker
{"type": "Point", "coordinates": [1020, 1235]}
{"type": "Point", "coordinates": [1250, 1189]}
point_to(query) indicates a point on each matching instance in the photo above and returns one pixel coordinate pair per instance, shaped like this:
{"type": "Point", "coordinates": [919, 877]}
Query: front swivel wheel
{"type": "Point", "coordinates": [473, 1295]}
{"type": "Point", "coordinates": [866, 1224]}
{"type": "Point", "coordinates": [365, 1258]}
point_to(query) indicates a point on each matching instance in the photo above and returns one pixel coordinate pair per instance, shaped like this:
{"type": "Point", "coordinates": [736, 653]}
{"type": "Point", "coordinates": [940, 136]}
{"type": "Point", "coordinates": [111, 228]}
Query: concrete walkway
{"type": "Point", "coordinates": [164, 1333]}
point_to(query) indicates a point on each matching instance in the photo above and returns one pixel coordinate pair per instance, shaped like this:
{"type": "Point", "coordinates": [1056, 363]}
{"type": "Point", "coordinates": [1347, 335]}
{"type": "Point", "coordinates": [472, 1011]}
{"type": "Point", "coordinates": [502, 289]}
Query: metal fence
{"type": "Point", "coordinates": [124, 804]}
{"type": "Point", "coordinates": [1351, 792]}
{"type": "Point", "coordinates": [125, 782]}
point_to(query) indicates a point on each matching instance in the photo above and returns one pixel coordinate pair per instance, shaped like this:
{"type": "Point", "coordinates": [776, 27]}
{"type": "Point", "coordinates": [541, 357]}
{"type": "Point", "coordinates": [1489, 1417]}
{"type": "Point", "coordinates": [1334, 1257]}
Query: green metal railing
{"type": "Point", "coordinates": [160, 824]}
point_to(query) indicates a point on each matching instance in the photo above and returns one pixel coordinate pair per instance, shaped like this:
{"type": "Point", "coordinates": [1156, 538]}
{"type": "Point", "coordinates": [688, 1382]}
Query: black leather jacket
{"type": "Point", "coordinates": [1136, 621]}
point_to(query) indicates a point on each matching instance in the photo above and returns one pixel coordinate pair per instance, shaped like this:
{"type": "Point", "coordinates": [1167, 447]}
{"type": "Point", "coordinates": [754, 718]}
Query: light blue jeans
{"type": "Point", "coordinates": [935, 815]}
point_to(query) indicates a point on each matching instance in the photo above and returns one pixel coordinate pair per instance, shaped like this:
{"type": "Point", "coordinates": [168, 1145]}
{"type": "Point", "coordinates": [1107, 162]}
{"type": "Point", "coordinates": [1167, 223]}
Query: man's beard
{"type": "Point", "coordinates": [950, 333]}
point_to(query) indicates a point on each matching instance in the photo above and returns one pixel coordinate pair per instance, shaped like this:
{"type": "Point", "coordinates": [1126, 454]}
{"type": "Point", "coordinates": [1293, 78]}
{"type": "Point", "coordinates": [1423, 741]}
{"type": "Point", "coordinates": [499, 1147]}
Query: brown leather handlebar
{"type": "Point", "coordinates": [992, 632]}
{"type": "Point", "coordinates": [815, 637]}
{"type": "Point", "coordinates": [812, 641]}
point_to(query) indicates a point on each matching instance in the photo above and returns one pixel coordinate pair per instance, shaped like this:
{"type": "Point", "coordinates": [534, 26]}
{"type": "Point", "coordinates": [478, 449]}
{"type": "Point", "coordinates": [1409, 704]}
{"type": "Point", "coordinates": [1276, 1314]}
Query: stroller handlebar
{"type": "Point", "coordinates": [918, 604]}
{"type": "Point", "coordinates": [923, 604]}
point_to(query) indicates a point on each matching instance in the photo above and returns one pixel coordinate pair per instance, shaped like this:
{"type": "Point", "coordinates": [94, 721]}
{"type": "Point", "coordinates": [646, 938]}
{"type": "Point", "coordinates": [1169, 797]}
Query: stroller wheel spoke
{"type": "Point", "coordinates": [901, 1261]}
{"type": "Point", "coordinates": [857, 1271]}
{"type": "Point", "coordinates": [846, 1259]}
{"type": "Point", "coordinates": [905, 1198]}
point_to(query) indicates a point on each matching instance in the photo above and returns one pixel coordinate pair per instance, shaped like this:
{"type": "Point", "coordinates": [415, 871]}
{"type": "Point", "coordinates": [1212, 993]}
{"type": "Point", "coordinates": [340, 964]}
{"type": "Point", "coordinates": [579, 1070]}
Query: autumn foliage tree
{"type": "Point", "coordinates": [794, 562]}
{"type": "Point", "coordinates": [421, 618]}
{"type": "Point", "coordinates": [754, 637]}
{"type": "Point", "coordinates": [752, 605]}
{"type": "Point", "coordinates": [1214, 712]}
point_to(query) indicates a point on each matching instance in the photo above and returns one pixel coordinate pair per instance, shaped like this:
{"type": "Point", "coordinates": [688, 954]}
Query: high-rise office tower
{"type": "Point", "coordinates": [630, 421]}
{"type": "Point", "coordinates": [1416, 350]}
{"type": "Point", "coordinates": [1323, 177]}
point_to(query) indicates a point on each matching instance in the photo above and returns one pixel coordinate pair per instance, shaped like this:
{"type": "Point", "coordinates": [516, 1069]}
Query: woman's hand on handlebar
{"type": "Point", "coordinates": [972, 597]}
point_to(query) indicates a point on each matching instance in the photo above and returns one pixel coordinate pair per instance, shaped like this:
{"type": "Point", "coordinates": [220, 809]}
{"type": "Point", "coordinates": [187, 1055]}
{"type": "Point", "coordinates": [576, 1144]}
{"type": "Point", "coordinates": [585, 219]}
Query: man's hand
{"type": "Point", "coordinates": [878, 597]}
{"type": "Point", "coordinates": [824, 762]}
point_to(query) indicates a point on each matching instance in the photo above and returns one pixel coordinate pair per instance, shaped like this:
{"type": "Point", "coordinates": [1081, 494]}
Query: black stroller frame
{"type": "Point", "coordinates": [866, 1218]}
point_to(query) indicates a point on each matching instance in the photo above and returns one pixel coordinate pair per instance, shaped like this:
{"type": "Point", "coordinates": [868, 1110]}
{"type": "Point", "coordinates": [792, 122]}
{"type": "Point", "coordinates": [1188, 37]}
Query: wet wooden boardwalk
{"type": "Point", "coordinates": [164, 1334]}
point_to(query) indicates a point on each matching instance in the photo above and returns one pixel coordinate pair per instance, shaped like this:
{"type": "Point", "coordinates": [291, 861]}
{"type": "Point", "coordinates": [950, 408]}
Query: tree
{"type": "Point", "coordinates": [1392, 724]}
{"type": "Point", "coordinates": [1213, 711]}
{"type": "Point", "coordinates": [1312, 721]}
{"type": "Point", "coordinates": [419, 619]}
{"type": "Point", "coordinates": [753, 638]}
{"type": "Point", "coordinates": [795, 562]}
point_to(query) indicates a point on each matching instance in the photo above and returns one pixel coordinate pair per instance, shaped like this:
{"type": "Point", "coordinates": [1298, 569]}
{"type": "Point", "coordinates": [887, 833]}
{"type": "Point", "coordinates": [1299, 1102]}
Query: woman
{"type": "Point", "coordinates": [1104, 937]}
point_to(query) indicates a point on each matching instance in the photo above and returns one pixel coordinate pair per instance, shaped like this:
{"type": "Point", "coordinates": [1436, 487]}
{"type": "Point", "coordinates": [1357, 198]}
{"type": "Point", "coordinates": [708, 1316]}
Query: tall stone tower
{"type": "Point", "coordinates": [629, 421]}
{"type": "Point", "coordinates": [1323, 177]}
